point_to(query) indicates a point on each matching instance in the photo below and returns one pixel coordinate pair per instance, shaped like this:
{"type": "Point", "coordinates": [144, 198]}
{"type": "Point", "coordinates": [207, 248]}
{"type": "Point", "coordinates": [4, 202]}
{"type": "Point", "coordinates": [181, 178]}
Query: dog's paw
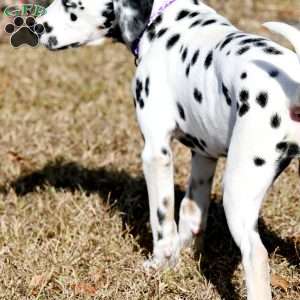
{"type": "Point", "coordinates": [191, 236]}
{"type": "Point", "coordinates": [189, 229]}
{"type": "Point", "coordinates": [165, 254]}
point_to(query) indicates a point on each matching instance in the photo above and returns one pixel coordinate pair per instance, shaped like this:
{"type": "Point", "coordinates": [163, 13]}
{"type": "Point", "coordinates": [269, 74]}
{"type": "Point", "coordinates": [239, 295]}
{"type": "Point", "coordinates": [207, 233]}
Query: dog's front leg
{"type": "Point", "coordinates": [158, 170]}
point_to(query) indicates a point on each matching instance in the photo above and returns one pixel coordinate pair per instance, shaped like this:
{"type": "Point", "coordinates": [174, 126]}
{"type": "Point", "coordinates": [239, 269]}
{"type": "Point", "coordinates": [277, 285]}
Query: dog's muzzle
{"type": "Point", "coordinates": [74, 45]}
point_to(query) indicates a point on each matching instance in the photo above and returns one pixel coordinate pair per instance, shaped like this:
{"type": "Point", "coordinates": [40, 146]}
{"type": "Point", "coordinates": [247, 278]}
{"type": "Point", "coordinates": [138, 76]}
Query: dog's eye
{"type": "Point", "coordinates": [67, 3]}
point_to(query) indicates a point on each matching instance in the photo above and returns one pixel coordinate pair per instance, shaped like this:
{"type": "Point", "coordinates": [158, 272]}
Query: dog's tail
{"type": "Point", "coordinates": [289, 32]}
{"type": "Point", "coordinates": [292, 34]}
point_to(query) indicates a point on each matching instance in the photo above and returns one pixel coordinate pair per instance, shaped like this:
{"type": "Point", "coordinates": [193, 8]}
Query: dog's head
{"type": "Point", "coordinates": [72, 23]}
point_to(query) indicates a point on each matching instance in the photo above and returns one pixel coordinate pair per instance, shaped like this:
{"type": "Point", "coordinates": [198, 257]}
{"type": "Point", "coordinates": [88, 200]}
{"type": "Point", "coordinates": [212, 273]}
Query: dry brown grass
{"type": "Point", "coordinates": [73, 203]}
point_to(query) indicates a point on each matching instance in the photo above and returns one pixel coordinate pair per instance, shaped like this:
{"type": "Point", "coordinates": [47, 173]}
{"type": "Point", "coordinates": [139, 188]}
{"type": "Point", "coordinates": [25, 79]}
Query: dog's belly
{"type": "Point", "coordinates": [207, 129]}
{"type": "Point", "coordinates": [207, 116]}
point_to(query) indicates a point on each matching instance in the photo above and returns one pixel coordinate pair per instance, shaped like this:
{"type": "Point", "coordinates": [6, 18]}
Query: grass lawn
{"type": "Point", "coordinates": [73, 201]}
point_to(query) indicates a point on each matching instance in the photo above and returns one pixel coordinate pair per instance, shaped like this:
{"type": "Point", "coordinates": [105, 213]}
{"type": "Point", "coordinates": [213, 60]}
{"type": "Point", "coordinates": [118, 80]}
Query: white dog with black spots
{"type": "Point", "coordinates": [220, 91]}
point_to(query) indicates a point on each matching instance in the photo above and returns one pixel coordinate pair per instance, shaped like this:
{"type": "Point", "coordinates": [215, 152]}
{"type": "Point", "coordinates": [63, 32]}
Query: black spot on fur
{"type": "Point", "coordinates": [272, 51]}
{"type": "Point", "coordinates": [244, 109]}
{"type": "Point", "coordinates": [52, 41]}
{"type": "Point", "coordinates": [243, 50]}
{"type": "Point", "coordinates": [244, 75]}
{"type": "Point", "coordinates": [158, 20]}
{"type": "Point", "coordinates": [109, 15]}
{"type": "Point", "coordinates": [208, 60]}
{"type": "Point", "coordinates": [244, 96]}
{"type": "Point", "coordinates": [182, 14]}
{"type": "Point", "coordinates": [184, 54]}
{"type": "Point", "coordinates": [151, 35]}
{"type": "Point", "coordinates": [282, 146]}
{"type": "Point", "coordinates": [161, 32]}
{"type": "Point", "coordinates": [73, 17]}
{"type": "Point", "coordinates": [275, 121]}
{"type": "Point", "coordinates": [239, 36]}
{"type": "Point", "coordinates": [226, 94]}
{"type": "Point", "coordinates": [251, 40]}
{"type": "Point", "coordinates": [258, 161]}
{"type": "Point", "coordinates": [262, 99]}
{"type": "Point", "coordinates": [274, 73]}
{"type": "Point", "coordinates": [138, 92]}
{"type": "Point", "coordinates": [47, 27]}
{"type": "Point", "coordinates": [166, 202]}
{"type": "Point", "coordinates": [172, 41]}
{"type": "Point", "coordinates": [226, 42]}
{"type": "Point", "coordinates": [181, 111]}
{"type": "Point", "coordinates": [161, 216]}
{"type": "Point", "coordinates": [288, 149]}
{"type": "Point", "coordinates": [260, 44]}
{"type": "Point", "coordinates": [195, 57]}
{"type": "Point", "coordinates": [209, 22]}
{"type": "Point", "coordinates": [194, 14]}
{"type": "Point", "coordinates": [164, 151]}
{"type": "Point", "coordinates": [232, 34]}
{"type": "Point", "coordinates": [147, 84]}
{"type": "Point", "coordinates": [187, 71]}
{"type": "Point", "coordinates": [159, 236]}
{"type": "Point", "coordinates": [196, 23]}
{"type": "Point", "coordinates": [198, 95]}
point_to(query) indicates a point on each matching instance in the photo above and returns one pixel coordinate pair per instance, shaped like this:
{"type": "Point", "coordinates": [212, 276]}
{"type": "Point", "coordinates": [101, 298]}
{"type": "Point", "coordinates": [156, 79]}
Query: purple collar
{"type": "Point", "coordinates": [136, 44]}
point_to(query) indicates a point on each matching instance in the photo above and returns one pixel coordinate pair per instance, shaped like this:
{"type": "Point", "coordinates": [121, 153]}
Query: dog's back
{"type": "Point", "coordinates": [216, 74]}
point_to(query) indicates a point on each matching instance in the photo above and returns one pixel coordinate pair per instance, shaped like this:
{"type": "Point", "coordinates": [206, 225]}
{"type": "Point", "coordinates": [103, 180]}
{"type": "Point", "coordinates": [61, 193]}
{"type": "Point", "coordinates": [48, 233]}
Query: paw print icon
{"type": "Point", "coordinates": [24, 31]}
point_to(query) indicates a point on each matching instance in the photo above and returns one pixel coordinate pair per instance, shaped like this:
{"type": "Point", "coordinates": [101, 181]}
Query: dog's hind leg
{"type": "Point", "coordinates": [251, 168]}
{"type": "Point", "coordinates": [194, 206]}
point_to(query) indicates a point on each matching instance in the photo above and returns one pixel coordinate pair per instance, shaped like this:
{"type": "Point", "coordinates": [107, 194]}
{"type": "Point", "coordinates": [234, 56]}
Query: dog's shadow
{"type": "Point", "coordinates": [220, 257]}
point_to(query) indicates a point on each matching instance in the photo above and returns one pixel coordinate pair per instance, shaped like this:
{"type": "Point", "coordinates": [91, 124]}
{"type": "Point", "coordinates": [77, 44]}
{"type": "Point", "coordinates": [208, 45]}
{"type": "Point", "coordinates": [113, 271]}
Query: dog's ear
{"type": "Point", "coordinates": [132, 17]}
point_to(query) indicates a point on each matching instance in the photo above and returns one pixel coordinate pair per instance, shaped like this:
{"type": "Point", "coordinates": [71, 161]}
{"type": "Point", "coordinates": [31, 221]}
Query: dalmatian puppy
{"type": "Point", "coordinates": [219, 91]}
